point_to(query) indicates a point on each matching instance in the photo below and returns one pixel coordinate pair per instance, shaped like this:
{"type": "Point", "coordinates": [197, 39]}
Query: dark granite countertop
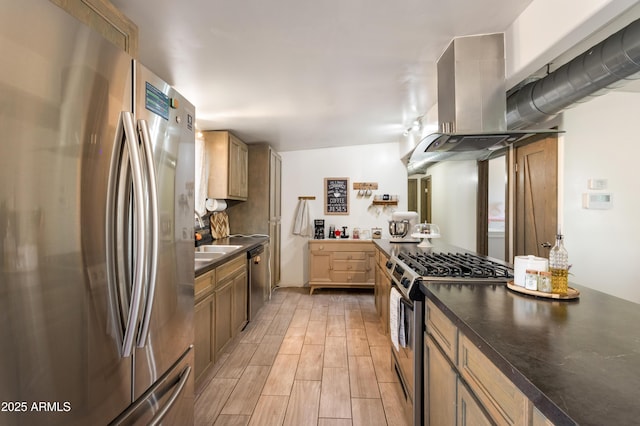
{"type": "Point", "coordinates": [246, 243]}
{"type": "Point", "coordinates": [578, 361]}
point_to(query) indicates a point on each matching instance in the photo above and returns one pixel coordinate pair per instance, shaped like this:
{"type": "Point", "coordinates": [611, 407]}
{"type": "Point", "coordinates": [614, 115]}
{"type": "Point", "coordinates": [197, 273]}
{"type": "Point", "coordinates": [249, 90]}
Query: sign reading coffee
{"type": "Point", "coordinates": [336, 196]}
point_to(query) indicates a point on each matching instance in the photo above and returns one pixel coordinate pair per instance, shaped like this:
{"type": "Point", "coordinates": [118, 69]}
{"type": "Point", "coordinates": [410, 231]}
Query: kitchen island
{"type": "Point", "coordinates": [578, 362]}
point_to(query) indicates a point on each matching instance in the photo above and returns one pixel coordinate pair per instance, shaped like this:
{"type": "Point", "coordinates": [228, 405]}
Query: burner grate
{"type": "Point", "coordinates": [456, 265]}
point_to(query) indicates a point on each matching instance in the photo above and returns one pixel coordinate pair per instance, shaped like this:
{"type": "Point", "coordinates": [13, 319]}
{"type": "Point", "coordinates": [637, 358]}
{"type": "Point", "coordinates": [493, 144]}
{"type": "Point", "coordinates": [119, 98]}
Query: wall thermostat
{"type": "Point", "coordinates": [597, 200]}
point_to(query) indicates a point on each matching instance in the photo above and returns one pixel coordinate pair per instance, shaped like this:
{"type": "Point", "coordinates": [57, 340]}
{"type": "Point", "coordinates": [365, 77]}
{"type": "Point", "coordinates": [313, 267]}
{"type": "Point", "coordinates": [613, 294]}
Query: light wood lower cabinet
{"type": "Point", "coordinates": [382, 289]}
{"type": "Point", "coordinates": [462, 386]}
{"type": "Point", "coordinates": [220, 312]}
{"type": "Point", "coordinates": [341, 263]}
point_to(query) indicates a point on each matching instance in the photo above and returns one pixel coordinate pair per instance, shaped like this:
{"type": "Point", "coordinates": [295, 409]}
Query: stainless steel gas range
{"type": "Point", "coordinates": [409, 267]}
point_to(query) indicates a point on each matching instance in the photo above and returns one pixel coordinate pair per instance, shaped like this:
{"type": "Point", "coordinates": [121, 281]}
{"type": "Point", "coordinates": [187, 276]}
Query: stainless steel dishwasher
{"type": "Point", "coordinates": [259, 278]}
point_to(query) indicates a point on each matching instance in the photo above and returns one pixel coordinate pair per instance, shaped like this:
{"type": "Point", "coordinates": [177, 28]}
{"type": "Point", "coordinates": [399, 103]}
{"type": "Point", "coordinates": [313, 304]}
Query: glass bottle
{"type": "Point", "coordinates": [559, 267]}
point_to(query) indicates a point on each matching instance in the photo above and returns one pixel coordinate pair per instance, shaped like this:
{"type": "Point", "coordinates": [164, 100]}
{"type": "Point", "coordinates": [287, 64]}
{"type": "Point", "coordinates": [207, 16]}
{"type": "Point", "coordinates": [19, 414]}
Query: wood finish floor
{"type": "Point", "coordinates": [318, 359]}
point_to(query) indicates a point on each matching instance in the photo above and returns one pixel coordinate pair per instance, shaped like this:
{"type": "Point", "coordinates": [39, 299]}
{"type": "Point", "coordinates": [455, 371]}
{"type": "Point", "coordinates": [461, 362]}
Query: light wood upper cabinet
{"type": "Point", "coordinates": [106, 19]}
{"type": "Point", "coordinates": [228, 165]}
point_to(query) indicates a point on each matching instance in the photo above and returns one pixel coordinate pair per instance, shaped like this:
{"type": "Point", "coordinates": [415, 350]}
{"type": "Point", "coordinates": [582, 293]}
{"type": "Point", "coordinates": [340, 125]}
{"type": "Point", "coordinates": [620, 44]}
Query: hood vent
{"type": "Point", "coordinates": [603, 66]}
{"type": "Point", "coordinates": [471, 104]}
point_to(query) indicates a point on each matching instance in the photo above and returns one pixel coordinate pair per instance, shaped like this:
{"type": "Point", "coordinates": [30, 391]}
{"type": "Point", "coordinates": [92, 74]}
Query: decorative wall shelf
{"type": "Point", "coordinates": [385, 202]}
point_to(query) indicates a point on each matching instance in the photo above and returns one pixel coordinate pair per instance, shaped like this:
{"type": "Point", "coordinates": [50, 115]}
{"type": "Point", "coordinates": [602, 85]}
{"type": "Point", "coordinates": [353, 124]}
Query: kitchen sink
{"type": "Point", "coordinates": [208, 256]}
{"type": "Point", "coordinates": [216, 248]}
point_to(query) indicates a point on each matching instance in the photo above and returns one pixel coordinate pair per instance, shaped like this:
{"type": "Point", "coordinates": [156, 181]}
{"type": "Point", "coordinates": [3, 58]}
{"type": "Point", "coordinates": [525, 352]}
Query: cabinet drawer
{"type": "Point", "coordinates": [349, 255]}
{"type": "Point", "coordinates": [350, 265]}
{"type": "Point", "coordinates": [203, 284]}
{"type": "Point", "coordinates": [349, 277]}
{"type": "Point", "coordinates": [336, 246]}
{"type": "Point", "coordinates": [501, 398]}
{"type": "Point", "coordinates": [442, 329]}
{"type": "Point", "coordinates": [229, 268]}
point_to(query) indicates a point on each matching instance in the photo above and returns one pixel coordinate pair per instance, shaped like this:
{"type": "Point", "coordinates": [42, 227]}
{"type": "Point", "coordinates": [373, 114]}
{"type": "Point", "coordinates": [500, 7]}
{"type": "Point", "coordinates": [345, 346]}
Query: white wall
{"type": "Point", "coordinates": [602, 140]}
{"type": "Point", "coordinates": [454, 188]}
{"type": "Point", "coordinates": [303, 173]}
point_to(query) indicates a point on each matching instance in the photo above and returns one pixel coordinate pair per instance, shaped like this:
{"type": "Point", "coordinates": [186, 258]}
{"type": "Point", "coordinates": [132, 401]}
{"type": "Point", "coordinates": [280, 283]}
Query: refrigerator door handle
{"type": "Point", "coordinates": [139, 213]}
{"type": "Point", "coordinates": [153, 223]}
{"type": "Point", "coordinates": [184, 376]}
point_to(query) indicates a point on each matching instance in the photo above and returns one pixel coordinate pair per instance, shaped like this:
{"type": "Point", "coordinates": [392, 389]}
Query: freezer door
{"type": "Point", "coordinates": [168, 302]}
{"type": "Point", "coordinates": [62, 89]}
{"type": "Point", "coordinates": [168, 402]}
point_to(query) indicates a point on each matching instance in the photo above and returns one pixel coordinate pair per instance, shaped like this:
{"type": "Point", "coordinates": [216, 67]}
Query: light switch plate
{"type": "Point", "coordinates": [597, 200]}
{"type": "Point", "coordinates": [598, 183]}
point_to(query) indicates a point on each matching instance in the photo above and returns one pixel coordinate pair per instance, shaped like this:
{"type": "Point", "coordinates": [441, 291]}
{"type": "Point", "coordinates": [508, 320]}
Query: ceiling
{"type": "Point", "coordinates": [308, 74]}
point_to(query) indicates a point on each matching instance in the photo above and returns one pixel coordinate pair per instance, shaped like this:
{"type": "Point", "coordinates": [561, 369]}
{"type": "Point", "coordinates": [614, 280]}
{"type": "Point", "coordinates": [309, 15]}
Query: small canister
{"type": "Point", "coordinates": [531, 279]}
{"type": "Point", "coordinates": [544, 282]}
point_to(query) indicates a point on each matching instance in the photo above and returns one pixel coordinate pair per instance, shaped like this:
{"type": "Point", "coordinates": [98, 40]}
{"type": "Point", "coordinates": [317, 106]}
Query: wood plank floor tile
{"type": "Point", "coordinates": [335, 398]}
{"type": "Point", "coordinates": [300, 318]}
{"type": "Point", "coordinates": [375, 334]}
{"type": "Point", "coordinates": [304, 404]}
{"type": "Point", "coordinates": [353, 319]}
{"type": "Point", "coordinates": [270, 410]}
{"type": "Point", "coordinates": [280, 324]}
{"type": "Point", "coordinates": [238, 360]}
{"type": "Point", "coordinates": [357, 343]}
{"type": "Point", "coordinates": [368, 412]}
{"type": "Point", "coordinates": [336, 308]}
{"type": "Point", "coordinates": [282, 374]}
{"type": "Point", "coordinates": [334, 422]}
{"type": "Point", "coordinates": [319, 313]}
{"type": "Point", "coordinates": [362, 378]}
{"type": "Point", "coordinates": [212, 399]}
{"type": "Point", "coordinates": [267, 350]}
{"type": "Point", "coordinates": [335, 354]}
{"type": "Point", "coordinates": [316, 333]}
{"type": "Point", "coordinates": [292, 345]}
{"type": "Point", "coordinates": [381, 357]}
{"type": "Point", "coordinates": [245, 395]}
{"type": "Point", "coordinates": [255, 331]}
{"type": "Point", "coordinates": [310, 363]}
{"type": "Point", "coordinates": [231, 420]}
{"type": "Point", "coordinates": [336, 325]}
{"type": "Point", "coordinates": [393, 404]}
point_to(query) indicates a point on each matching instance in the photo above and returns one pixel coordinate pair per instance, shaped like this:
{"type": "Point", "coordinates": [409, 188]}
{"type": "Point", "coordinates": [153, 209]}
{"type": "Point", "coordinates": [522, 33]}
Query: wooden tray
{"type": "Point", "coordinates": [572, 293]}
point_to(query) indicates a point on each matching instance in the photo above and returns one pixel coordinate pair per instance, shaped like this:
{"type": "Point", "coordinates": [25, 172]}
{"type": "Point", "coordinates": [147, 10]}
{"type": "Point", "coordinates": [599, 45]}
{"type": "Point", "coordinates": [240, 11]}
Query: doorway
{"type": "Point", "coordinates": [425, 199]}
{"type": "Point", "coordinates": [536, 196]}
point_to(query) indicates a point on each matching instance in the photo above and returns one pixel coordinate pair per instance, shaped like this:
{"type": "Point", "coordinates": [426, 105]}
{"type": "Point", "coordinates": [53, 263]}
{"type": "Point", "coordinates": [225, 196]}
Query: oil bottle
{"type": "Point", "coordinates": [559, 267]}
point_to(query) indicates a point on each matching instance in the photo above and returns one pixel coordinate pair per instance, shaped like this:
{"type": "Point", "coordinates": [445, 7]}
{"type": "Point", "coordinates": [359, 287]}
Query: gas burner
{"type": "Point", "coordinates": [456, 265]}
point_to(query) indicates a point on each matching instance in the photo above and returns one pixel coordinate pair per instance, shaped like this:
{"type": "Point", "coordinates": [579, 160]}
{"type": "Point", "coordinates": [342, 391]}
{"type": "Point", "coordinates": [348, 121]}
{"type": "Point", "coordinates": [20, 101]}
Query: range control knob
{"type": "Point", "coordinates": [406, 282]}
{"type": "Point", "coordinates": [389, 264]}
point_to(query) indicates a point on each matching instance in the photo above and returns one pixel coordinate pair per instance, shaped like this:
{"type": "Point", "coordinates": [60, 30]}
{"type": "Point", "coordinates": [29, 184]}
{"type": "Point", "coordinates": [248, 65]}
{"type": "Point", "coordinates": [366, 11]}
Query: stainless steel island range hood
{"type": "Point", "coordinates": [471, 105]}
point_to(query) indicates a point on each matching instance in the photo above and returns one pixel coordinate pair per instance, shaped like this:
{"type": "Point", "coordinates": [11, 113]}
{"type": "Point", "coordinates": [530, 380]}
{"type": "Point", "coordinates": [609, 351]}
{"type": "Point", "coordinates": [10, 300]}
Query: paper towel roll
{"type": "Point", "coordinates": [214, 205]}
{"type": "Point", "coordinates": [522, 263]}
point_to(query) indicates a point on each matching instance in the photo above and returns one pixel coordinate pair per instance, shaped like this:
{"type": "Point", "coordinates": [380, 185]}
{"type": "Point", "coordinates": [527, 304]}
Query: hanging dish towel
{"type": "Point", "coordinates": [302, 222]}
{"type": "Point", "coordinates": [396, 320]}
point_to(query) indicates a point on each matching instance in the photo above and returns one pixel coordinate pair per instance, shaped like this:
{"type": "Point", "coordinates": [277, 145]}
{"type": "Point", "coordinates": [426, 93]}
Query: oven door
{"type": "Point", "coordinates": [403, 357]}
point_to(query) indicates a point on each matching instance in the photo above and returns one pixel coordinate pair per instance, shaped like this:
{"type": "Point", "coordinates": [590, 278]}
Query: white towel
{"type": "Point", "coordinates": [302, 222]}
{"type": "Point", "coordinates": [394, 317]}
{"type": "Point", "coordinates": [201, 177]}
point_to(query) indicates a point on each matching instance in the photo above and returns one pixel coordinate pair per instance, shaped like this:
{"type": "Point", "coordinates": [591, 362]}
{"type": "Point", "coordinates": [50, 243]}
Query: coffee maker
{"type": "Point", "coordinates": [318, 233]}
{"type": "Point", "coordinates": [401, 226]}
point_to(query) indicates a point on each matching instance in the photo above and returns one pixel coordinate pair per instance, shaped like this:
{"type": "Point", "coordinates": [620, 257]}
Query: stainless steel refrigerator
{"type": "Point", "coordinates": [96, 224]}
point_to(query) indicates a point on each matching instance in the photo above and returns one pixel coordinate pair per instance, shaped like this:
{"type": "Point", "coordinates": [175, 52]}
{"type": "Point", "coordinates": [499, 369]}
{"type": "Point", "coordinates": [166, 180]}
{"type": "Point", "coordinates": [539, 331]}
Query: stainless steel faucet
{"type": "Point", "coordinates": [199, 220]}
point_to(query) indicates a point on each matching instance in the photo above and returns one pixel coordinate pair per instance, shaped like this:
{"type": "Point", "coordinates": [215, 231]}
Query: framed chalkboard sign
{"type": "Point", "coordinates": [336, 199]}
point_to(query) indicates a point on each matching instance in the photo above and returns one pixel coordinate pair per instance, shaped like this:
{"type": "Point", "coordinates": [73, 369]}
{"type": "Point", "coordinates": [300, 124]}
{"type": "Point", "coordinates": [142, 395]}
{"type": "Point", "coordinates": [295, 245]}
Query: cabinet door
{"type": "Point", "coordinates": [204, 318]}
{"type": "Point", "coordinates": [320, 266]}
{"type": "Point", "coordinates": [238, 168]}
{"type": "Point", "coordinates": [223, 320]}
{"type": "Point", "coordinates": [469, 411]}
{"type": "Point", "coordinates": [274, 246]}
{"type": "Point", "coordinates": [441, 387]}
{"type": "Point", "coordinates": [239, 300]}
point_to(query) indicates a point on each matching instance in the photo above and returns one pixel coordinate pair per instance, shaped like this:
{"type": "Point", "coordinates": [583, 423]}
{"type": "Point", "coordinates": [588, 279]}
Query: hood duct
{"type": "Point", "coordinates": [603, 66]}
{"type": "Point", "coordinates": [471, 104]}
